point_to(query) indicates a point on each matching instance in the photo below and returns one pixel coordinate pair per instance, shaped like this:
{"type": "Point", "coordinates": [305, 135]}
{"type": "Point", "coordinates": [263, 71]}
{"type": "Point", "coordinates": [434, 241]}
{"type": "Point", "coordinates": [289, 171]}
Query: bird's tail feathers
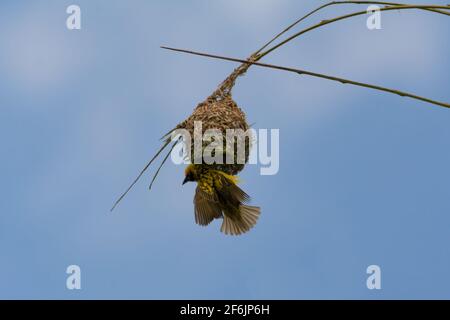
{"type": "Point", "coordinates": [248, 217]}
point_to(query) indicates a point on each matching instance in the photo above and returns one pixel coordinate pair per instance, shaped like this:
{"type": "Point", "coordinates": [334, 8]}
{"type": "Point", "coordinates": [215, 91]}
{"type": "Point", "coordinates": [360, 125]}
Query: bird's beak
{"type": "Point", "coordinates": [185, 180]}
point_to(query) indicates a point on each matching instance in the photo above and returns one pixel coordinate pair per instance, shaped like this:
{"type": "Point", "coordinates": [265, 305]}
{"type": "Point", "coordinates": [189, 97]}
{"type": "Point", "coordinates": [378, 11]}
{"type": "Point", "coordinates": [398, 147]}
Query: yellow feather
{"type": "Point", "coordinates": [232, 179]}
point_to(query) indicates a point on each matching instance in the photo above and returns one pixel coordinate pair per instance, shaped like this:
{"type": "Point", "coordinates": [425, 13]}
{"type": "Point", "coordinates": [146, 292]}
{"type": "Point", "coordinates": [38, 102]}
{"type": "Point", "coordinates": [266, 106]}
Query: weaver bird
{"type": "Point", "coordinates": [218, 196]}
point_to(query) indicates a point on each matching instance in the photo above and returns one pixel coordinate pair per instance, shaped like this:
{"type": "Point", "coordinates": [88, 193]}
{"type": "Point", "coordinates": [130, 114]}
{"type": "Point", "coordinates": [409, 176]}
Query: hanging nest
{"type": "Point", "coordinates": [220, 112]}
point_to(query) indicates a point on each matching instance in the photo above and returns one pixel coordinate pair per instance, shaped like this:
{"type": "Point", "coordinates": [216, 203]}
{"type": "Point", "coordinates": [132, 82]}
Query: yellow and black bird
{"type": "Point", "coordinates": [218, 196]}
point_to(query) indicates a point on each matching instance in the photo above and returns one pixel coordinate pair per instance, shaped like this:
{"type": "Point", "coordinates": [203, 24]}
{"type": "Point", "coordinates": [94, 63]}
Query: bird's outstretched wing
{"type": "Point", "coordinates": [206, 206]}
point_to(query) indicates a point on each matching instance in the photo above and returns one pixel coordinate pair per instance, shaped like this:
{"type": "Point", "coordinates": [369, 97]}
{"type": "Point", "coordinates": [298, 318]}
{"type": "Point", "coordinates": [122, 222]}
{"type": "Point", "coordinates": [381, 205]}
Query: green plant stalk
{"type": "Point", "coordinates": [317, 75]}
{"type": "Point", "coordinates": [332, 3]}
{"type": "Point", "coordinates": [140, 174]}
{"type": "Point", "coordinates": [162, 164]}
{"type": "Point", "coordinates": [326, 22]}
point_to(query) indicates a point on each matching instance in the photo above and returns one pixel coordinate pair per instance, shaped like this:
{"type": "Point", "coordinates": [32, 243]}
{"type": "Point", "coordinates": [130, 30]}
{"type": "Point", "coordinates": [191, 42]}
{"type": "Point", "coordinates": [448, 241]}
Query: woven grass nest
{"type": "Point", "coordinates": [220, 112]}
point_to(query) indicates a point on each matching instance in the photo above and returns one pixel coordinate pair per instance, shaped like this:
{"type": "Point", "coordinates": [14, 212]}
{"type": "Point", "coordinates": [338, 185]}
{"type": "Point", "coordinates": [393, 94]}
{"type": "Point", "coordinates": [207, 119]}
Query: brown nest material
{"type": "Point", "coordinates": [220, 112]}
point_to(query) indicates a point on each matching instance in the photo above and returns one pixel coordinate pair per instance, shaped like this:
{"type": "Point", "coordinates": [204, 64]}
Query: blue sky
{"type": "Point", "coordinates": [363, 177]}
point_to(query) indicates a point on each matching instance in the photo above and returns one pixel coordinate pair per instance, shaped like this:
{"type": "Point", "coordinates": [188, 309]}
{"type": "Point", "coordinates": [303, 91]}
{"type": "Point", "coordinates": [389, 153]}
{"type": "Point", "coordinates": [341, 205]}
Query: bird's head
{"type": "Point", "coordinates": [190, 173]}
